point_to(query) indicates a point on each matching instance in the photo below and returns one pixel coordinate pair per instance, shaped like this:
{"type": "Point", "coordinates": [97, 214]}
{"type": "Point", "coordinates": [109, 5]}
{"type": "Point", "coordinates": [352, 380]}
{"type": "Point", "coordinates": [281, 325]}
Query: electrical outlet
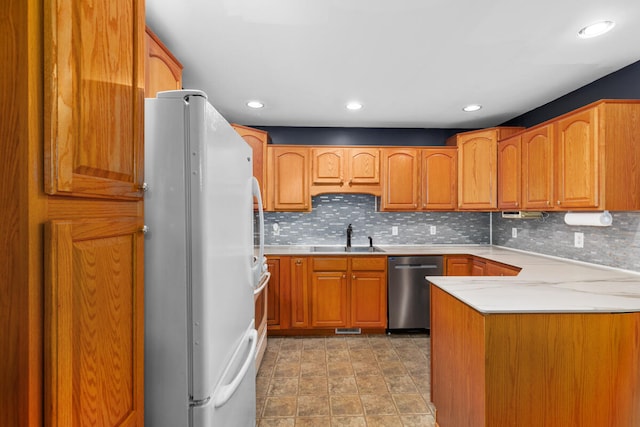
{"type": "Point", "coordinates": [578, 240]}
{"type": "Point", "coordinates": [514, 232]}
{"type": "Point", "coordinates": [276, 229]}
{"type": "Point", "coordinates": [432, 229]}
{"type": "Point", "coordinates": [394, 230]}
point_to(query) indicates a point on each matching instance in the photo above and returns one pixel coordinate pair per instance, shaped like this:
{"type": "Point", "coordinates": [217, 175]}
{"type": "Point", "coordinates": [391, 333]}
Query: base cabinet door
{"type": "Point", "coordinates": [299, 302]}
{"type": "Point", "coordinates": [329, 299]}
{"type": "Point", "coordinates": [273, 293]}
{"type": "Point", "coordinates": [368, 299]}
{"type": "Point", "coordinates": [94, 323]}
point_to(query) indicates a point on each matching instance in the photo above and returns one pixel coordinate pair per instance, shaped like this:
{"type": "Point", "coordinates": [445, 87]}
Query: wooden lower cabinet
{"type": "Point", "coordinates": [319, 294]}
{"type": "Point", "coordinates": [468, 265]}
{"type": "Point", "coordinates": [94, 323]}
{"type": "Point", "coordinates": [533, 369]}
{"type": "Point", "coordinates": [458, 265]}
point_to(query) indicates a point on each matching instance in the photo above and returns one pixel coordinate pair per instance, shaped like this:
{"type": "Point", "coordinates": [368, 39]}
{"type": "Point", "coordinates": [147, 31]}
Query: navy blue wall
{"type": "Point", "coordinates": [622, 84]}
{"type": "Point", "coordinates": [357, 136]}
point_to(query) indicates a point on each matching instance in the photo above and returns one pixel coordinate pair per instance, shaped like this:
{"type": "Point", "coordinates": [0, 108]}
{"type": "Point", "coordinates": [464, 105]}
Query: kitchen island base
{"type": "Point", "coordinates": [533, 369]}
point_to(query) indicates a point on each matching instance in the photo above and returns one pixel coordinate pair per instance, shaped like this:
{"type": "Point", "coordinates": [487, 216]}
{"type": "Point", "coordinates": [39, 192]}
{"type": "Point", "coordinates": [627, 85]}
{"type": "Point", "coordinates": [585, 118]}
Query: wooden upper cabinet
{"type": "Point", "coordinates": [509, 182]}
{"type": "Point", "coordinates": [257, 140]}
{"type": "Point", "coordinates": [94, 319]}
{"type": "Point", "coordinates": [345, 170]}
{"type": "Point", "coordinates": [538, 168]}
{"type": "Point", "coordinates": [161, 69]}
{"type": "Point", "coordinates": [328, 166]}
{"type": "Point", "coordinates": [400, 168]}
{"type": "Point", "coordinates": [288, 178]}
{"type": "Point", "coordinates": [477, 167]}
{"type": "Point", "coordinates": [577, 161]}
{"type": "Point", "coordinates": [439, 178]}
{"type": "Point", "coordinates": [93, 114]}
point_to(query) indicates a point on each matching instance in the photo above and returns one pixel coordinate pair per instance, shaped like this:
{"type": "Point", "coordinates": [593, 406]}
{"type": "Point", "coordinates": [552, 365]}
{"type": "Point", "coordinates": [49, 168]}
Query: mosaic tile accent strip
{"type": "Point", "coordinates": [615, 246]}
{"type": "Point", "coordinates": [332, 213]}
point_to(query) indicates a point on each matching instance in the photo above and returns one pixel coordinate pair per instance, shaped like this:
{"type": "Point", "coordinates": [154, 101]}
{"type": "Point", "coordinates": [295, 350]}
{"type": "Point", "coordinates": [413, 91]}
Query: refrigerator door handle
{"type": "Point", "coordinates": [265, 280]}
{"type": "Point", "coordinates": [224, 393]}
{"type": "Point", "coordinates": [259, 261]}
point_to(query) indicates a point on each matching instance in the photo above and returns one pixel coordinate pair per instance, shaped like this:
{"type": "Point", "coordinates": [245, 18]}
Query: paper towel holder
{"type": "Point", "coordinates": [594, 219]}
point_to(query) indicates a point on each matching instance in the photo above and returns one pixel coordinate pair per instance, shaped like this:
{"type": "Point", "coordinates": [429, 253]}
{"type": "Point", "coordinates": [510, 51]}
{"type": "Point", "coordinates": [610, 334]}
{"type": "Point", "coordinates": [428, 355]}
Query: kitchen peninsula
{"type": "Point", "coordinates": [556, 345]}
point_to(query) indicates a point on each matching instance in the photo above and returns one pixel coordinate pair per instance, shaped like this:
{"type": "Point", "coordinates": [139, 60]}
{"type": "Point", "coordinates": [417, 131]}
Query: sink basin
{"type": "Point", "coordinates": [344, 249]}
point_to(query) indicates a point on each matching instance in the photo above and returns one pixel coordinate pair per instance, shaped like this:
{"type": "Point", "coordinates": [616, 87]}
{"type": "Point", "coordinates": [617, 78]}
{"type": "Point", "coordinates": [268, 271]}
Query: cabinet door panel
{"type": "Point", "coordinates": [257, 140]}
{"type": "Point", "coordinates": [537, 168]}
{"type": "Point", "coordinates": [94, 323]}
{"type": "Point", "coordinates": [328, 299]}
{"type": "Point", "coordinates": [368, 300]}
{"type": "Point", "coordinates": [290, 187]}
{"type": "Point", "coordinates": [577, 161]}
{"type": "Point", "coordinates": [94, 106]}
{"type": "Point", "coordinates": [439, 178]}
{"type": "Point", "coordinates": [364, 166]}
{"type": "Point", "coordinates": [273, 293]}
{"type": "Point", "coordinates": [509, 173]}
{"type": "Point", "coordinates": [328, 166]}
{"type": "Point", "coordinates": [162, 70]}
{"type": "Point", "coordinates": [477, 171]}
{"type": "Point", "coordinates": [299, 293]}
{"type": "Point", "coordinates": [400, 171]}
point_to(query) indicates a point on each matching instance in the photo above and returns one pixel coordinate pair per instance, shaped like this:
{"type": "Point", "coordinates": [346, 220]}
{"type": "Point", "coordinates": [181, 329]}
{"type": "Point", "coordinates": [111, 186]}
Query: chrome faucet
{"type": "Point", "coordinates": [349, 233]}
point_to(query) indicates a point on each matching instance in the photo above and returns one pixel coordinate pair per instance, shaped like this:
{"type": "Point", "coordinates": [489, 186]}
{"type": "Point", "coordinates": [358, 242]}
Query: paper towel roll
{"type": "Point", "coordinates": [598, 219]}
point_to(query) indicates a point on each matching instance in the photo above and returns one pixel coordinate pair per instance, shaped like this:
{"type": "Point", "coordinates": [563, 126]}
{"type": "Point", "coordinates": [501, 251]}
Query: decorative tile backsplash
{"type": "Point", "coordinates": [332, 213]}
{"type": "Point", "coordinates": [614, 246]}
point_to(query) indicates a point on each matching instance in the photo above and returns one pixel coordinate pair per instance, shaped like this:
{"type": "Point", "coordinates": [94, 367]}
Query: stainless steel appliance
{"type": "Point", "coordinates": [408, 290]}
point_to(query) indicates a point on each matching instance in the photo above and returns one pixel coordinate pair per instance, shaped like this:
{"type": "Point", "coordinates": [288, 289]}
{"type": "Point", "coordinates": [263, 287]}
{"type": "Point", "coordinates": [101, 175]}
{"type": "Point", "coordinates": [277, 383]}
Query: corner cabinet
{"type": "Point", "coordinates": [477, 167]}
{"type": "Point", "coordinates": [162, 71]}
{"type": "Point", "coordinates": [288, 178]}
{"type": "Point", "coordinates": [257, 140]}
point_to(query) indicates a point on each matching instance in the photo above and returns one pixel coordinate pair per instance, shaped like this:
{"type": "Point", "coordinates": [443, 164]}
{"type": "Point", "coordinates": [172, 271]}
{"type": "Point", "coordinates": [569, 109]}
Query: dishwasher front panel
{"type": "Point", "coordinates": [408, 290]}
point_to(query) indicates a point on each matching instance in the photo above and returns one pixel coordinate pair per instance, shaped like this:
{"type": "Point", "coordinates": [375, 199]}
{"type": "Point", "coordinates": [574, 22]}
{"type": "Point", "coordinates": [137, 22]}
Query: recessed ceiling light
{"type": "Point", "coordinates": [472, 107]}
{"type": "Point", "coordinates": [354, 105]}
{"type": "Point", "coordinates": [596, 29]}
{"type": "Point", "coordinates": [255, 104]}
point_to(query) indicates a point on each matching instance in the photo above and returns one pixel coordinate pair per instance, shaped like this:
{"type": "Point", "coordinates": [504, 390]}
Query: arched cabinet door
{"type": "Point", "coordinates": [94, 105]}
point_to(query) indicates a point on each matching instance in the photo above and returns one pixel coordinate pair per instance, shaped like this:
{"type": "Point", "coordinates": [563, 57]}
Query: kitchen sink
{"type": "Point", "coordinates": [344, 249]}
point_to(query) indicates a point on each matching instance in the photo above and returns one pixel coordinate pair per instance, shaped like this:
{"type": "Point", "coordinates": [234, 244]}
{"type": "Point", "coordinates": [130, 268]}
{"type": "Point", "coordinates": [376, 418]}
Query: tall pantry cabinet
{"type": "Point", "coordinates": [71, 241]}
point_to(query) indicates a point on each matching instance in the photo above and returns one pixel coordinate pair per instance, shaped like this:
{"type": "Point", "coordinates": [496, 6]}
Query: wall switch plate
{"type": "Point", "coordinates": [432, 229]}
{"type": "Point", "coordinates": [514, 232]}
{"type": "Point", "coordinates": [578, 240]}
{"type": "Point", "coordinates": [394, 230]}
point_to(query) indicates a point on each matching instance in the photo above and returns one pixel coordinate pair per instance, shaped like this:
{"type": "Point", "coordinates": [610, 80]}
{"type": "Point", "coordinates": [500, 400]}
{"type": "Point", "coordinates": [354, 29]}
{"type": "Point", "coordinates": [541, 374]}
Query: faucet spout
{"type": "Point", "coordinates": [349, 233]}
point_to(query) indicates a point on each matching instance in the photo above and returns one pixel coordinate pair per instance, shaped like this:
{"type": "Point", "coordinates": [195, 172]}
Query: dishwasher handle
{"type": "Point", "coordinates": [415, 266]}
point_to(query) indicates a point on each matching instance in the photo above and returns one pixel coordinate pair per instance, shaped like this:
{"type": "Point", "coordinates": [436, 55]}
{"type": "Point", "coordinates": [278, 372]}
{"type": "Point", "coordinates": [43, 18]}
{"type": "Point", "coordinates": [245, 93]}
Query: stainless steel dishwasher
{"type": "Point", "coordinates": [408, 290]}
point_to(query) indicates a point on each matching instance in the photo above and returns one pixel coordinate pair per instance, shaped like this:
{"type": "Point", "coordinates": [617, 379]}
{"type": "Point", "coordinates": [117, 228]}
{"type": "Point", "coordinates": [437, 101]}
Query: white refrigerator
{"type": "Point", "coordinates": [200, 267]}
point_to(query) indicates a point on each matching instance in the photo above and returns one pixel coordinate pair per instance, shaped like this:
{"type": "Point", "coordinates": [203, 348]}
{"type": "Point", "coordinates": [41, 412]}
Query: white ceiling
{"type": "Point", "coordinates": [412, 63]}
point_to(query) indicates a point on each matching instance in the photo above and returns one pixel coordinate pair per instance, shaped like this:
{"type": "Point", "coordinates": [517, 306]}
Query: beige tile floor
{"type": "Point", "coordinates": [354, 380]}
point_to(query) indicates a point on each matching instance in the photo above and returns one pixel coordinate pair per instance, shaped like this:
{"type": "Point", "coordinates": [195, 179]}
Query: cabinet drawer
{"type": "Point", "coordinates": [368, 264]}
{"type": "Point", "coordinates": [329, 264]}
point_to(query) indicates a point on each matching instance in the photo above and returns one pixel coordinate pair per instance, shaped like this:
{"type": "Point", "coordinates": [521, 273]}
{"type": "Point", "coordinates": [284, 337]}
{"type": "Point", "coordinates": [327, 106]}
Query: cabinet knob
{"type": "Point", "coordinates": [517, 204]}
{"type": "Point", "coordinates": [350, 182]}
{"type": "Point", "coordinates": [298, 262]}
{"type": "Point", "coordinates": [548, 203]}
{"type": "Point", "coordinates": [144, 229]}
{"type": "Point", "coordinates": [353, 276]}
{"type": "Point", "coordinates": [558, 202]}
{"type": "Point", "coordinates": [344, 276]}
{"type": "Point", "coordinates": [144, 187]}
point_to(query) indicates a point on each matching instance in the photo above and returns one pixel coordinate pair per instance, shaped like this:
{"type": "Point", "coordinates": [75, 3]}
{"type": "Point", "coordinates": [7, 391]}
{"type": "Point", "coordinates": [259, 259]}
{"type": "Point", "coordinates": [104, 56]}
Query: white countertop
{"type": "Point", "coordinates": [545, 284]}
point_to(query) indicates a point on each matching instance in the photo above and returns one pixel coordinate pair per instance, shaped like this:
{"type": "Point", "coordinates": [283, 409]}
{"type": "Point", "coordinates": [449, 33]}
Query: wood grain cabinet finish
{"type": "Point", "coordinates": [368, 292]}
{"type": "Point", "coordinates": [162, 70]}
{"type": "Point", "coordinates": [533, 369]}
{"type": "Point", "coordinates": [299, 292]}
{"type": "Point", "coordinates": [458, 265]}
{"type": "Point", "coordinates": [509, 167]}
{"type": "Point", "coordinates": [94, 103]}
{"type": "Point", "coordinates": [419, 179]}
{"type": "Point", "coordinates": [345, 170]}
{"type": "Point", "coordinates": [288, 178]}
{"type": "Point", "coordinates": [538, 168]}
{"type": "Point", "coordinates": [94, 319]}
{"type": "Point", "coordinates": [72, 341]}
{"type": "Point", "coordinates": [257, 140]}
{"type": "Point", "coordinates": [477, 167]}
{"type": "Point", "coordinates": [273, 293]}
{"type": "Point", "coordinates": [329, 295]}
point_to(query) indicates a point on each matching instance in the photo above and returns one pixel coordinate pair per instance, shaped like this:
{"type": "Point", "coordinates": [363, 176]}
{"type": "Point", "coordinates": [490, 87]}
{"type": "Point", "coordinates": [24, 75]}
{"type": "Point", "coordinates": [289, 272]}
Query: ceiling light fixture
{"type": "Point", "coordinates": [354, 105]}
{"type": "Point", "coordinates": [596, 29]}
{"type": "Point", "coordinates": [472, 107]}
{"type": "Point", "coordinates": [255, 104]}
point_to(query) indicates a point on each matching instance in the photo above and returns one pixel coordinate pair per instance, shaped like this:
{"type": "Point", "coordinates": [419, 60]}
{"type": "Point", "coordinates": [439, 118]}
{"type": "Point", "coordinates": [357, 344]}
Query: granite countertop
{"type": "Point", "coordinates": [544, 285]}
